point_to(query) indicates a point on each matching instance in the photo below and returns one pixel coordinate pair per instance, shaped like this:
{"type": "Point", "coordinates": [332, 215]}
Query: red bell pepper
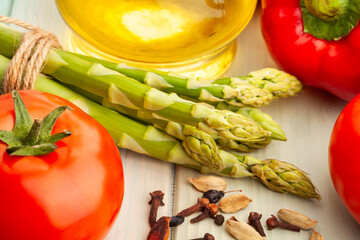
{"type": "Point", "coordinates": [317, 41]}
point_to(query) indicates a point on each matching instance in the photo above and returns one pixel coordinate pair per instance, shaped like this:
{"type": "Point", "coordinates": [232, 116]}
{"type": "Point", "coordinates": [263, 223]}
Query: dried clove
{"type": "Point", "coordinates": [315, 235]}
{"type": "Point", "coordinates": [297, 219]}
{"type": "Point", "coordinates": [176, 221]}
{"type": "Point", "coordinates": [207, 236]}
{"type": "Point", "coordinates": [202, 202]}
{"type": "Point", "coordinates": [254, 220]}
{"type": "Point", "coordinates": [213, 209]}
{"type": "Point", "coordinates": [273, 222]}
{"type": "Point", "coordinates": [156, 201]}
{"type": "Point", "coordinates": [205, 214]}
{"type": "Point", "coordinates": [234, 203]}
{"type": "Point", "coordinates": [160, 230]}
{"type": "Point", "coordinates": [210, 210]}
{"type": "Point", "coordinates": [205, 183]}
{"type": "Point", "coordinates": [219, 219]}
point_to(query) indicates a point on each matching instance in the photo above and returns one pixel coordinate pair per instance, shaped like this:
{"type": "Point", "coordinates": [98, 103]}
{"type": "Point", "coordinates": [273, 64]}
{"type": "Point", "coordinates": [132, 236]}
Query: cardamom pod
{"type": "Point", "coordinates": [206, 183]}
{"type": "Point", "coordinates": [234, 203]}
{"type": "Point", "coordinates": [316, 236]}
{"type": "Point", "coordinates": [297, 219]}
{"type": "Point", "coordinates": [241, 230]}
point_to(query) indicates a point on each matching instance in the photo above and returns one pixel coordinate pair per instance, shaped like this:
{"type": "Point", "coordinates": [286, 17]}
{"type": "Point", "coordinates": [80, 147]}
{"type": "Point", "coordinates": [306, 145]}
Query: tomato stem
{"type": "Point", "coordinates": [32, 138]}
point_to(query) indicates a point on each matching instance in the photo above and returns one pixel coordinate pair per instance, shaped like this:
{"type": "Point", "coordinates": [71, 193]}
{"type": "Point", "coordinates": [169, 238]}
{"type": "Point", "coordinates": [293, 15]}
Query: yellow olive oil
{"type": "Point", "coordinates": [157, 31]}
{"type": "Point", "coordinates": [189, 37]}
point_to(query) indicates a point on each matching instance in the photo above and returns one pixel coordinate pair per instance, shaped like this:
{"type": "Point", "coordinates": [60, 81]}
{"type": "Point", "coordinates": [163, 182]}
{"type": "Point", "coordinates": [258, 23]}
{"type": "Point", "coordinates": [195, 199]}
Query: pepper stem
{"type": "Point", "coordinates": [330, 19]}
{"type": "Point", "coordinates": [32, 138]}
{"type": "Point", "coordinates": [326, 10]}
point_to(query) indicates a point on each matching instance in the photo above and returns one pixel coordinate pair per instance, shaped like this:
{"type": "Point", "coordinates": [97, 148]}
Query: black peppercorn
{"type": "Point", "coordinates": [176, 221]}
{"type": "Point", "coordinates": [219, 219]}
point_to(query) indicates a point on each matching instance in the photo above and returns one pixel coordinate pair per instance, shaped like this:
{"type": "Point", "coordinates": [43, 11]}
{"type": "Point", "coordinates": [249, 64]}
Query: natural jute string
{"type": "Point", "coordinates": [28, 60]}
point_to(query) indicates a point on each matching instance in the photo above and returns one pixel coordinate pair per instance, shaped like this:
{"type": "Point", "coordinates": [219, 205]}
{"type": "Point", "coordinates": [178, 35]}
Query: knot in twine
{"type": "Point", "coordinates": [28, 60]}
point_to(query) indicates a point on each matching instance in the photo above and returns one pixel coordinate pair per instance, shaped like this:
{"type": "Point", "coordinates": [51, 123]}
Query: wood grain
{"type": "Point", "coordinates": [307, 120]}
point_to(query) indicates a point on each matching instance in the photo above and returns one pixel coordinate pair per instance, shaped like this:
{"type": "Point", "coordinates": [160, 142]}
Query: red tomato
{"type": "Point", "coordinates": [344, 157]}
{"type": "Point", "coordinates": [74, 192]}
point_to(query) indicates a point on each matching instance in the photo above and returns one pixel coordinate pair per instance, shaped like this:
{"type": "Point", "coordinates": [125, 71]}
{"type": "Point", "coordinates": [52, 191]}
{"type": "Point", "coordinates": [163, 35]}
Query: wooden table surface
{"type": "Point", "coordinates": [306, 119]}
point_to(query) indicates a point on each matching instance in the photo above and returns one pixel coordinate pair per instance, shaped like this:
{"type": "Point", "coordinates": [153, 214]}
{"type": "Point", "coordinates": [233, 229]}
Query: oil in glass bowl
{"type": "Point", "coordinates": [192, 37]}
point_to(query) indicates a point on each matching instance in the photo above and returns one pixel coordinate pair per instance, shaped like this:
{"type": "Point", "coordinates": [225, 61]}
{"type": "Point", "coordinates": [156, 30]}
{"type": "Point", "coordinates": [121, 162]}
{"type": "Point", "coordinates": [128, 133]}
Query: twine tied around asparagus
{"type": "Point", "coordinates": [29, 58]}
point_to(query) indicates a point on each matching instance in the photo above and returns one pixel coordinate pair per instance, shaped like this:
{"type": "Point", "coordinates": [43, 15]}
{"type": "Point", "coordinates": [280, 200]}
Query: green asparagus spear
{"type": "Point", "coordinates": [258, 116]}
{"type": "Point", "coordinates": [277, 175]}
{"type": "Point", "coordinates": [278, 83]}
{"type": "Point", "coordinates": [127, 133]}
{"type": "Point", "coordinates": [258, 88]}
{"type": "Point", "coordinates": [202, 90]}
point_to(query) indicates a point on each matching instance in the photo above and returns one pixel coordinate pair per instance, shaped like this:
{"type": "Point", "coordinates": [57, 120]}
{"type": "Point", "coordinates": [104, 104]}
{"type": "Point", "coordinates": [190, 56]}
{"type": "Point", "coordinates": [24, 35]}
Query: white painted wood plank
{"type": "Point", "coordinates": [142, 176]}
{"type": "Point", "coordinates": [5, 7]}
{"type": "Point", "coordinates": [307, 120]}
{"type": "Point", "coordinates": [41, 13]}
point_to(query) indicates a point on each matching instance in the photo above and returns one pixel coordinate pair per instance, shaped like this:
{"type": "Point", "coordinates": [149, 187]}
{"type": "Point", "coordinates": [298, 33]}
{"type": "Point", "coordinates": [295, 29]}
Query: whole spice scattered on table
{"type": "Point", "coordinates": [201, 203]}
{"type": "Point", "coordinates": [213, 195]}
{"type": "Point", "coordinates": [273, 222]}
{"type": "Point", "coordinates": [219, 219]}
{"type": "Point", "coordinates": [176, 221]}
{"type": "Point", "coordinates": [241, 230]}
{"type": "Point", "coordinates": [160, 230]}
{"type": "Point", "coordinates": [315, 235]}
{"type": "Point", "coordinates": [254, 220]}
{"type": "Point", "coordinates": [206, 183]}
{"type": "Point", "coordinates": [234, 203]}
{"type": "Point", "coordinates": [156, 201]}
{"type": "Point", "coordinates": [207, 236]}
{"type": "Point", "coordinates": [210, 210]}
{"type": "Point", "coordinates": [297, 219]}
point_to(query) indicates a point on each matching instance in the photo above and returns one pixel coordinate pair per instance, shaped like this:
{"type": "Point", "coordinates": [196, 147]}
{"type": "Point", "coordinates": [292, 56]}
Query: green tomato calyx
{"type": "Point", "coordinates": [32, 137]}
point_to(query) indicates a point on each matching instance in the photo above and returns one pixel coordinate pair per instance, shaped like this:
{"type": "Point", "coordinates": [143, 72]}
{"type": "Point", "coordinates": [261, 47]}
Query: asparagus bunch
{"type": "Point", "coordinates": [133, 135]}
{"type": "Point", "coordinates": [258, 88]}
{"type": "Point", "coordinates": [194, 122]}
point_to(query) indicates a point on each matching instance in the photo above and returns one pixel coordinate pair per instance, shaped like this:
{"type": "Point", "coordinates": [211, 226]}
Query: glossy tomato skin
{"type": "Point", "coordinates": [329, 65]}
{"type": "Point", "coordinates": [344, 157]}
{"type": "Point", "coordinates": [72, 193]}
